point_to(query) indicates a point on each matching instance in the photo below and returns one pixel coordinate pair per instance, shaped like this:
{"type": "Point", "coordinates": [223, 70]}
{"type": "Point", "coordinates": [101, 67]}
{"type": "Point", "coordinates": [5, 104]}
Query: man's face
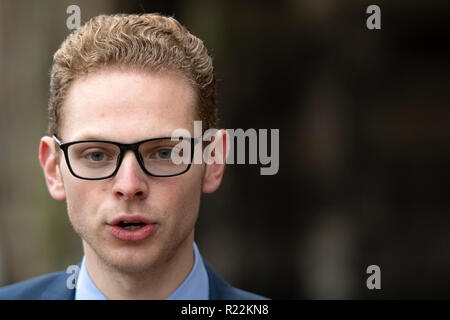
{"type": "Point", "coordinates": [128, 106]}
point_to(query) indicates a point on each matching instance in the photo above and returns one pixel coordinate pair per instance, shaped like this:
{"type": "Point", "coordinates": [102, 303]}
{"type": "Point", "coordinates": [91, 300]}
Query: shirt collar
{"type": "Point", "coordinates": [194, 287]}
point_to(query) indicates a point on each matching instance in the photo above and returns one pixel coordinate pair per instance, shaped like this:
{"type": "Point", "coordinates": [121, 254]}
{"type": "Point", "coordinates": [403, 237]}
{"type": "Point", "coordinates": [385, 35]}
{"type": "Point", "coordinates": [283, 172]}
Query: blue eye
{"type": "Point", "coordinates": [164, 153]}
{"type": "Point", "coordinates": [96, 156]}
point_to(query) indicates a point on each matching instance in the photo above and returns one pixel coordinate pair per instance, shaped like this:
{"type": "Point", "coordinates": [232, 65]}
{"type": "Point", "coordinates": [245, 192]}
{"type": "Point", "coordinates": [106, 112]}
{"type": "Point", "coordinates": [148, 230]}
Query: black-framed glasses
{"type": "Point", "coordinates": [101, 159]}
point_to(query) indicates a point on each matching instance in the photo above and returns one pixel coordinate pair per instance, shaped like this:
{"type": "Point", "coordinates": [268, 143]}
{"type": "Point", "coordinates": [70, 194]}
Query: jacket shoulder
{"type": "Point", "coordinates": [219, 289]}
{"type": "Point", "coordinates": [50, 286]}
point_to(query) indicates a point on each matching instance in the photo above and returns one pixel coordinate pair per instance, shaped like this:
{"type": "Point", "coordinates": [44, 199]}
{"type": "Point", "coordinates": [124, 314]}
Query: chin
{"type": "Point", "coordinates": [130, 259]}
{"type": "Point", "coordinates": [131, 262]}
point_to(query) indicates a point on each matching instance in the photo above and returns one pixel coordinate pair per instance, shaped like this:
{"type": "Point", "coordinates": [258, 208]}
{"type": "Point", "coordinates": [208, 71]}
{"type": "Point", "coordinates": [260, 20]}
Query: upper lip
{"type": "Point", "coordinates": [130, 219]}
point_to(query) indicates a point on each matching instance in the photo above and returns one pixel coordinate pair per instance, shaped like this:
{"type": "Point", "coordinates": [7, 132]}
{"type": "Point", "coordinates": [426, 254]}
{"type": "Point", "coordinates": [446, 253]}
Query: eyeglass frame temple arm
{"type": "Point", "coordinates": [57, 140]}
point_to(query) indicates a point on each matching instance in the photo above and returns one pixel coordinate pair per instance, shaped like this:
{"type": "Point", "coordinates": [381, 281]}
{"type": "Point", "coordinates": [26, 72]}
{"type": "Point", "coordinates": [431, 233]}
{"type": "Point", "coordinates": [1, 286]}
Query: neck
{"type": "Point", "coordinates": [156, 283]}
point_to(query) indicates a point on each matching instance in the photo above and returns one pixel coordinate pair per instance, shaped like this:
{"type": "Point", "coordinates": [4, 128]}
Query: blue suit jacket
{"type": "Point", "coordinates": [53, 287]}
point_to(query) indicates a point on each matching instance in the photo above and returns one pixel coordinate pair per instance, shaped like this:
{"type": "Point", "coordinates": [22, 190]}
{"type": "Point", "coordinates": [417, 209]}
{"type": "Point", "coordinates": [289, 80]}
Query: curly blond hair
{"type": "Point", "coordinates": [149, 42]}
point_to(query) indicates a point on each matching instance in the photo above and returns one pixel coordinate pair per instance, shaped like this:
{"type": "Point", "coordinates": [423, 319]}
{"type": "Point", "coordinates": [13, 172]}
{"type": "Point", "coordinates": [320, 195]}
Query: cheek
{"type": "Point", "coordinates": [83, 200]}
{"type": "Point", "coordinates": [182, 198]}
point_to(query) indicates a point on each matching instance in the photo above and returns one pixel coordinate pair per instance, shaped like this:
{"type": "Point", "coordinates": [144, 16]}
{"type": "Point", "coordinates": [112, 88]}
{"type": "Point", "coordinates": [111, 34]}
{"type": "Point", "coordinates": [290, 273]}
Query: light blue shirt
{"type": "Point", "coordinates": [194, 287]}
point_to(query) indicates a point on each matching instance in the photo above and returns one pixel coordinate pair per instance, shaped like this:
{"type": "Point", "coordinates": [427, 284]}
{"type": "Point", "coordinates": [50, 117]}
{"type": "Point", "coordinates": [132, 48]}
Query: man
{"type": "Point", "coordinates": [120, 87]}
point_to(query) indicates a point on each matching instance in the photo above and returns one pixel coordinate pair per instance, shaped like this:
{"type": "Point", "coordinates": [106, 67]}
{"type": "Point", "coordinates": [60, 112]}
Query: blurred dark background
{"type": "Point", "coordinates": [364, 144]}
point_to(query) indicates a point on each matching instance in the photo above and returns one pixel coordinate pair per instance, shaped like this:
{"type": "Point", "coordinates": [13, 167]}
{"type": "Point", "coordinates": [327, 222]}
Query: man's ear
{"type": "Point", "coordinates": [50, 167]}
{"type": "Point", "coordinates": [215, 166]}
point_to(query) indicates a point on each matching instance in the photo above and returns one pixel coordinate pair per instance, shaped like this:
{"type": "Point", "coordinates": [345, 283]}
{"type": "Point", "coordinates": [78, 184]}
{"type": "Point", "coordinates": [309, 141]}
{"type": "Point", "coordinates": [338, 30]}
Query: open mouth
{"type": "Point", "coordinates": [129, 228]}
{"type": "Point", "coordinates": [131, 225]}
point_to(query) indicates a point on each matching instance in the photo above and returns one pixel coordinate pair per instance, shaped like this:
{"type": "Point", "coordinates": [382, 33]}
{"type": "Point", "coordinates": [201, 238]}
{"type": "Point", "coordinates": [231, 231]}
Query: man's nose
{"type": "Point", "coordinates": [130, 182]}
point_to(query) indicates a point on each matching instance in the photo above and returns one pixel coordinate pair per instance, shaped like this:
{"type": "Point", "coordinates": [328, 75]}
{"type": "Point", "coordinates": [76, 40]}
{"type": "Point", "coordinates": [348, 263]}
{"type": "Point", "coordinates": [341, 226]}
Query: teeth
{"type": "Point", "coordinates": [132, 227]}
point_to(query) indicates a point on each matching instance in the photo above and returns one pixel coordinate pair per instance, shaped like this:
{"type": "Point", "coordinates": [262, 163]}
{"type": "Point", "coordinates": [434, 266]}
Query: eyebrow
{"type": "Point", "coordinates": [89, 137]}
{"type": "Point", "coordinates": [99, 137]}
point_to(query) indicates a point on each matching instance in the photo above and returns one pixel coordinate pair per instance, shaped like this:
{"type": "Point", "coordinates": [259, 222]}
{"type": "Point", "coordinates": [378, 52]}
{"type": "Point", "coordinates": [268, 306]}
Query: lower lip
{"type": "Point", "coordinates": [131, 235]}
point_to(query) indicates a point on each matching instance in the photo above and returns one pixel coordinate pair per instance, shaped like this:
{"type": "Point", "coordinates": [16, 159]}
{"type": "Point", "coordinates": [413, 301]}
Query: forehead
{"type": "Point", "coordinates": [127, 105]}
